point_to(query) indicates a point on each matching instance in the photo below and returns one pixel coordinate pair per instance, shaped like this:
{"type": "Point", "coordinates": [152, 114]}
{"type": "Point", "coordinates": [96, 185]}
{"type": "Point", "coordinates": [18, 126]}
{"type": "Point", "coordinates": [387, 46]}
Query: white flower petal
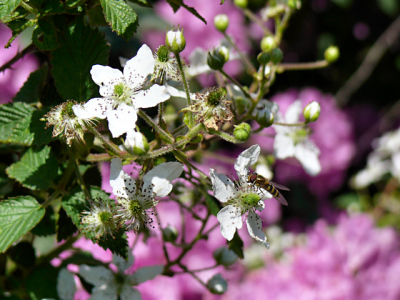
{"type": "Point", "coordinates": [105, 292]}
{"type": "Point", "coordinates": [293, 112]}
{"type": "Point", "coordinates": [122, 120]}
{"type": "Point", "coordinates": [150, 97]}
{"type": "Point", "coordinates": [307, 155]}
{"type": "Point", "coordinates": [121, 263]}
{"type": "Point", "coordinates": [134, 139]}
{"type": "Point", "coordinates": [283, 146]}
{"type": "Point", "coordinates": [119, 180]}
{"type": "Point", "coordinates": [223, 187]}
{"type": "Point", "coordinates": [139, 67]}
{"type": "Point", "coordinates": [94, 108]}
{"type": "Point", "coordinates": [230, 219]}
{"type": "Point", "coordinates": [254, 226]}
{"type": "Point", "coordinates": [145, 274]}
{"type": "Point", "coordinates": [246, 159]}
{"type": "Point", "coordinates": [66, 287]}
{"type": "Point", "coordinates": [159, 178]}
{"type": "Point", "coordinates": [97, 276]}
{"type": "Point", "coordinates": [106, 77]}
{"type": "Point", "coordinates": [129, 293]}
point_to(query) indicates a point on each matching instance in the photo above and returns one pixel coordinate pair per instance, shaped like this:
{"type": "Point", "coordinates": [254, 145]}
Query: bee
{"type": "Point", "coordinates": [271, 187]}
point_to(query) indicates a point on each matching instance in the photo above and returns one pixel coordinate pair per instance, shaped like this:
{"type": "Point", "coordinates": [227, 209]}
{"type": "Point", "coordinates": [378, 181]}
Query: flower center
{"type": "Point", "coordinates": [68, 112]}
{"type": "Point", "coordinates": [163, 54]}
{"type": "Point", "coordinates": [106, 217]}
{"type": "Point", "coordinates": [215, 97]}
{"type": "Point", "coordinates": [299, 135]}
{"type": "Point", "coordinates": [121, 92]}
{"type": "Point", "coordinates": [251, 200]}
{"type": "Point", "coordinates": [135, 207]}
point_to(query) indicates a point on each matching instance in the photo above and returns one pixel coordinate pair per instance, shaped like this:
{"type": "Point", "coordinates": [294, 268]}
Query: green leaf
{"type": "Point", "coordinates": [45, 36]}
{"type": "Point", "coordinates": [213, 205]}
{"type": "Point", "coordinates": [65, 227]}
{"type": "Point", "coordinates": [23, 254]}
{"type": "Point", "coordinates": [42, 283]}
{"type": "Point", "coordinates": [36, 169]}
{"type": "Point", "coordinates": [33, 87]}
{"type": "Point", "coordinates": [47, 225]}
{"type": "Point", "coordinates": [75, 203]}
{"type": "Point", "coordinates": [176, 4]}
{"type": "Point", "coordinates": [6, 184]}
{"type": "Point", "coordinates": [236, 245]}
{"type": "Point", "coordinates": [7, 7]}
{"type": "Point", "coordinates": [17, 216]}
{"type": "Point", "coordinates": [82, 48]}
{"type": "Point", "coordinates": [20, 124]}
{"type": "Point", "coordinates": [96, 16]}
{"type": "Point", "coordinates": [121, 17]}
{"type": "Point", "coordinates": [144, 3]}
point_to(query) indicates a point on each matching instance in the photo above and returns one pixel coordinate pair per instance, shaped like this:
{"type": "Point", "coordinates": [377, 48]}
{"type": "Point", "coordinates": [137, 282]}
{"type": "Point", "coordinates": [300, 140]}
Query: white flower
{"type": "Point", "coordinates": [66, 287]}
{"type": "Point", "coordinates": [384, 159]}
{"type": "Point", "coordinates": [111, 286]}
{"type": "Point", "coordinates": [293, 141]}
{"type": "Point", "coordinates": [123, 93]}
{"type": "Point", "coordinates": [241, 197]}
{"type": "Point", "coordinates": [99, 220]}
{"type": "Point", "coordinates": [135, 201]}
{"type": "Point", "coordinates": [66, 123]}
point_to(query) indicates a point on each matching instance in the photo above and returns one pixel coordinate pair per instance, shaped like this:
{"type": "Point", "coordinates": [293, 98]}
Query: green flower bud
{"type": "Point", "coordinates": [311, 112]}
{"type": "Point", "coordinates": [217, 284]}
{"type": "Point", "coordinates": [170, 234]}
{"type": "Point", "coordinates": [136, 143]}
{"type": "Point", "coordinates": [143, 149]}
{"type": "Point", "coordinates": [294, 4]}
{"type": "Point", "coordinates": [267, 43]}
{"type": "Point", "coordinates": [215, 60]}
{"type": "Point", "coordinates": [264, 117]}
{"type": "Point", "coordinates": [331, 54]}
{"type": "Point", "coordinates": [224, 256]}
{"type": "Point", "coordinates": [241, 3]}
{"type": "Point", "coordinates": [276, 56]}
{"type": "Point", "coordinates": [175, 41]}
{"type": "Point", "coordinates": [221, 22]}
{"type": "Point", "coordinates": [264, 58]}
{"type": "Point", "coordinates": [242, 132]}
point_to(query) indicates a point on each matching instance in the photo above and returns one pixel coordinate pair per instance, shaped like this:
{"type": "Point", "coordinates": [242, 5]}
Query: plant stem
{"type": "Point", "coordinates": [17, 57]}
{"type": "Point", "coordinates": [249, 66]}
{"type": "Point", "coordinates": [107, 144]}
{"type": "Point", "coordinates": [301, 66]}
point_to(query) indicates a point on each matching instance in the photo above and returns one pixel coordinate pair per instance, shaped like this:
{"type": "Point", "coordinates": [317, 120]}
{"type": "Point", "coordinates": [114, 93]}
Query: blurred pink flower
{"type": "Point", "coordinates": [11, 80]}
{"type": "Point", "coordinates": [333, 135]}
{"type": "Point", "coordinates": [354, 261]}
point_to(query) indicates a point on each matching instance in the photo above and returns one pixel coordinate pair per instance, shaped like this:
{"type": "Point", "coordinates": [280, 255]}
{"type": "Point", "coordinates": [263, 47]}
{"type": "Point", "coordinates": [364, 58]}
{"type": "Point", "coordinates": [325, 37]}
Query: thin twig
{"type": "Point", "coordinates": [17, 57]}
{"type": "Point", "coordinates": [374, 55]}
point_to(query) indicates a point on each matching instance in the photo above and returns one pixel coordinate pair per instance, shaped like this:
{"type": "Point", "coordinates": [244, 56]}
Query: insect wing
{"type": "Point", "coordinates": [279, 186]}
{"type": "Point", "coordinates": [281, 199]}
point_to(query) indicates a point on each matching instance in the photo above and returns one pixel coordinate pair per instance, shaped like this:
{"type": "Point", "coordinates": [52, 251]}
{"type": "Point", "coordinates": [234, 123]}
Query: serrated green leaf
{"type": "Point", "coordinates": [82, 48]}
{"type": "Point", "coordinates": [7, 7]}
{"type": "Point", "coordinates": [36, 169]}
{"type": "Point", "coordinates": [17, 216]}
{"type": "Point", "coordinates": [236, 245]}
{"type": "Point", "coordinates": [144, 3]}
{"type": "Point", "coordinates": [121, 17]}
{"type": "Point", "coordinates": [33, 87]}
{"type": "Point", "coordinates": [213, 205]}
{"type": "Point", "coordinates": [176, 4]}
{"type": "Point", "coordinates": [20, 124]}
{"type": "Point", "coordinates": [75, 203]}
